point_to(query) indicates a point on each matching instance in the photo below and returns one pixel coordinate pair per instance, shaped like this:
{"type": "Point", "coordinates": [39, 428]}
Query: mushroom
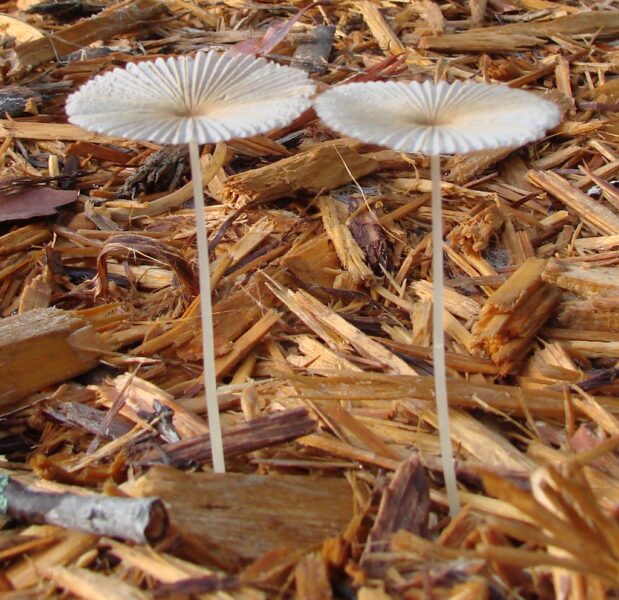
{"type": "Point", "coordinates": [436, 119]}
{"type": "Point", "coordinates": [194, 100]}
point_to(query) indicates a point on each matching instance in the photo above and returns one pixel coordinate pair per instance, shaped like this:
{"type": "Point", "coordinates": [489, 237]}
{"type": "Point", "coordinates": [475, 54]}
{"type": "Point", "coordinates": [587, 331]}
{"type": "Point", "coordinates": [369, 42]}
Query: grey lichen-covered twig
{"type": "Point", "coordinates": [140, 520]}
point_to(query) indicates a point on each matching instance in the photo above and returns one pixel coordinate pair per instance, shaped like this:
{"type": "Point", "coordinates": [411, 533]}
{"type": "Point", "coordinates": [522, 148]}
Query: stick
{"type": "Point", "coordinates": [438, 343]}
{"type": "Point", "coordinates": [208, 344]}
{"type": "Point", "coordinates": [140, 520]}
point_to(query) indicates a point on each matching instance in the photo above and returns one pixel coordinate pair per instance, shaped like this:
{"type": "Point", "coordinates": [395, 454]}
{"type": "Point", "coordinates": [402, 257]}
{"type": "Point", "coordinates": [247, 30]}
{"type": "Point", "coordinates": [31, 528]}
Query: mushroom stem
{"type": "Point", "coordinates": [438, 343]}
{"type": "Point", "coordinates": [208, 344]}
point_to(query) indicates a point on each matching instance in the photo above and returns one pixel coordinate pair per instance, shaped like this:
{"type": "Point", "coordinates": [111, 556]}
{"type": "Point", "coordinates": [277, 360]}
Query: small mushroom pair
{"type": "Point", "coordinates": [214, 97]}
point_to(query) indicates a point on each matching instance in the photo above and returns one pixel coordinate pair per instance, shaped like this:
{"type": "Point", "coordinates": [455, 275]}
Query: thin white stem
{"type": "Point", "coordinates": [208, 344]}
{"type": "Point", "coordinates": [438, 341]}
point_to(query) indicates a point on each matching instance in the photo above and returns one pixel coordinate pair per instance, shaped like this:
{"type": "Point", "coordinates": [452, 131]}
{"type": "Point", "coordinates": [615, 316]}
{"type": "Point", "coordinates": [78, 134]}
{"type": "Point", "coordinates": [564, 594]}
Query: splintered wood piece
{"type": "Point", "coordinates": [132, 210]}
{"type": "Point", "coordinates": [512, 316]}
{"type": "Point", "coordinates": [314, 262]}
{"type": "Point", "coordinates": [597, 314]}
{"type": "Point", "coordinates": [465, 167]}
{"type": "Point", "coordinates": [454, 302]}
{"type": "Point", "coordinates": [27, 571]}
{"type": "Point", "coordinates": [246, 343]}
{"type": "Point", "coordinates": [482, 41]}
{"type": "Point", "coordinates": [248, 515]}
{"type": "Point", "coordinates": [20, 30]}
{"type": "Point", "coordinates": [597, 216]}
{"type": "Point", "coordinates": [52, 131]}
{"type": "Point", "coordinates": [377, 388]}
{"type": "Point", "coordinates": [118, 19]}
{"type": "Point", "coordinates": [488, 446]}
{"type": "Point", "coordinates": [42, 347]}
{"type": "Point", "coordinates": [138, 520]}
{"type": "Point", "coordinates": [348, 251]}
{"type": "Point", "coordinates": [311, 578]}
{"type": "Point", "coordinates": [385, 37]}
{"type": "Point", "coordinates": [85, 583]}
{"type": "Point", "coordinates": [24, 237]}
{"type": "Point", "coordinates": [477, 232]}
{"type": "Point", "coordinates": [336, 331]}
{"type": "Point", "coordinates": [319, 169]}
{"type": "Point", "coordinates": [140, 397]}
{"type": "Point", "coordinates": [516, 36]}
{"type": "Point", "coordinates": [582, 279]}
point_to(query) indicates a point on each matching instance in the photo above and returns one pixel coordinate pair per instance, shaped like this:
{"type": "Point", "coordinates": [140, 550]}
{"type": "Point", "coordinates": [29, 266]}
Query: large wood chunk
{"type": "Point", "coordinates": [243, 516]}
{"type": "Point", "coordinates": [42, 347]}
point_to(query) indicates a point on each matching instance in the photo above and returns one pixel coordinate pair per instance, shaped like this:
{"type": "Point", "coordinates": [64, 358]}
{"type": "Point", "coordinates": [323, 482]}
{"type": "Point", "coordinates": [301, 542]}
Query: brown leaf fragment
{"type": "Point", "coordinates": [34, 202]}
{"type": "Point", "coordinates": [273, 36]}
{"type": "Point", "coordinates": [404, 505]}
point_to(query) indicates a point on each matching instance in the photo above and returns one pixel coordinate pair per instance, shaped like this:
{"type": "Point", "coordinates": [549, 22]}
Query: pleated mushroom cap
{"type": "Point", "coordinates": [204, 99]}
{"type": "Point", "coordinates": [438, 118]}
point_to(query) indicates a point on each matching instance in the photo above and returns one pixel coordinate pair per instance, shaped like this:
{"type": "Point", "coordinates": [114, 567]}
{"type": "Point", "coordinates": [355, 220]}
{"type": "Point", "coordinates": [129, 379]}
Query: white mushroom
{"type": "Point", "coordinates": [194, 100]}
{"type": "Point", "coordinates": [436, 119]}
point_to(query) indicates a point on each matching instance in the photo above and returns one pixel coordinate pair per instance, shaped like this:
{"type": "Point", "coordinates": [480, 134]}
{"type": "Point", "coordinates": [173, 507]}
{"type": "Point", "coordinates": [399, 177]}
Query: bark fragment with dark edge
{"type": "Point", "coordinates": [405, 504]}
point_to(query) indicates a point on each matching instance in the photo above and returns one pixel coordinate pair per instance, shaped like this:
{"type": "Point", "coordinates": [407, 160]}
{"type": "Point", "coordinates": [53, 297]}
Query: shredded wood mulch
{"type": "Point", "coordinates": [322, 310]}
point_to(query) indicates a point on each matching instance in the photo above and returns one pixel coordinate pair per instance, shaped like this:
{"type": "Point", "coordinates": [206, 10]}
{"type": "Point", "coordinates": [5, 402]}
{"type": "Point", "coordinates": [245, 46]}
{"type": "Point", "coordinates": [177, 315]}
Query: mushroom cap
{"type": "Point", "coordinates": [442, 118]}
{"type": "Point", "coordinates": [206, 98]}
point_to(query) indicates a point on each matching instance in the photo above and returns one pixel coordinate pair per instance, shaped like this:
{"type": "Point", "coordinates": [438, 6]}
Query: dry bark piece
{"type": "Point", "coordinates": [348, 251]}
{"type": "Point", "coordinates": [319, 169]}
{"type": "Point", "coordinates": [15, 100]}
{"type": "Point", "coordinates": [312, 56]}
{"type": "Point", "coordinates": [43, 347]}
{"type": "Point", "coordinates": [161, 171]}
{"type": "Point", "coordinates": [142, 521]}
{"type": "Point", "coordinates": [66, 9]}
{"type": "Point", "coordinates": [512, 316]}
{"type": "Point", "coordinates": [258, 433]}
{"type": "Point", "coordinates": [405, 504]}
